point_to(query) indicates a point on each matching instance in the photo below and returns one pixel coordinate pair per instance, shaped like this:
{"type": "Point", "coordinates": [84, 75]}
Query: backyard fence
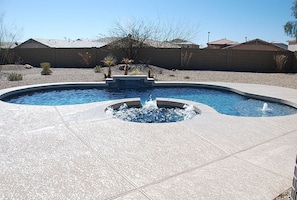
{"type": "Point", "coordinates": [184, 58]}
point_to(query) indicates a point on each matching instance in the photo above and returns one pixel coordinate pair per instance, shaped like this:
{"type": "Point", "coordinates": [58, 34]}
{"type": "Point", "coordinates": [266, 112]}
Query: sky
{"type": "Point", "coordinates": [236, 20]}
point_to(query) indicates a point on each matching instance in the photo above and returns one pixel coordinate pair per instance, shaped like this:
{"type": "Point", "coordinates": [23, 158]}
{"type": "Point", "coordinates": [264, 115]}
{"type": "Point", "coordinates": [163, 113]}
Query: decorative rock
{"type": "Point", "coordinates": [27, 66]}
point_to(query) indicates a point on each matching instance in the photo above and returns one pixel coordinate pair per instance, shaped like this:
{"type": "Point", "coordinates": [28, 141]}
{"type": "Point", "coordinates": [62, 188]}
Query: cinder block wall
{"type": "Point", "coordinates": [191, 59]}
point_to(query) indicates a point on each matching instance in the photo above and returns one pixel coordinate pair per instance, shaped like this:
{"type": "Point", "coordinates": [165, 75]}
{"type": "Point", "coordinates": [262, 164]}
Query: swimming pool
{"type": "Point", "coordinates": [223, 101]}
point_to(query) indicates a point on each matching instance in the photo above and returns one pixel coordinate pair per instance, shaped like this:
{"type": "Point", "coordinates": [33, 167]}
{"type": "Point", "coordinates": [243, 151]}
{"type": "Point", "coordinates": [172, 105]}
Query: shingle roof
{"type": "Point", "coordinates": [223, 42]}
{"type": "Point", "coordinates": [260, 41]}
{"type": "Point", "coordinates": [281, 45]}
{"type": "Point", "coordinates": [55, 43]}
{"type": "Point", "coordinates": [160, 44]}
{"type": "Point", "coordinates": [83, 43]}
{"type": "Point", "coordinates": [148, 42]}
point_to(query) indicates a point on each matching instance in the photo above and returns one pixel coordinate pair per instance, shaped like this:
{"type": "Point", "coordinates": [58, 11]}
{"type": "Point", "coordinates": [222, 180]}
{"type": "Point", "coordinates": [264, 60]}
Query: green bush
{"type": "Point", "coordinates": [15, 77]}
{"type": "Point", "coordinates": [98, 69]}
{"type": "Point", "coordinates": [46, 68]}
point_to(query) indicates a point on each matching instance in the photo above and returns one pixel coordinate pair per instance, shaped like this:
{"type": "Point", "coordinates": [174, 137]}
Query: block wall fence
{"type": "Point", "coordinates": [187, 59]}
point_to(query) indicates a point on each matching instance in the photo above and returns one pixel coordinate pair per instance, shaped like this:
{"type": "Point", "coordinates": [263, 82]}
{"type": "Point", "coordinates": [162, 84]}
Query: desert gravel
{"type": "Point", "coordinates": [33, 76]}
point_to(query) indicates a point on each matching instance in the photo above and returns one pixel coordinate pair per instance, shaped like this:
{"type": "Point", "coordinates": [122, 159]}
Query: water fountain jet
{"type": "Point", "coordinates": [153, 111]}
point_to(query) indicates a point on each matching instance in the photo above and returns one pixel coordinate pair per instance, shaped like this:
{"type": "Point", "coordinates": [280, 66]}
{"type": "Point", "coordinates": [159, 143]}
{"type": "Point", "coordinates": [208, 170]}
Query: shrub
{"type": "Point", "coordinates": [98, 69]}
{"type": "Point", "coordinates": [15, 77]}
{"type": "Point", "coordinates": [280, 61]}
{"type": "Point", "coordinates": [46, 68]}
{"type": "Point", "coordinates": [86, 58]}
{"type": "Point", "coordinates": [186, 57]}
{"type": "Point", "coordinates": [186, 77]}
{"type": "Point", "coordinates": [136, 72]}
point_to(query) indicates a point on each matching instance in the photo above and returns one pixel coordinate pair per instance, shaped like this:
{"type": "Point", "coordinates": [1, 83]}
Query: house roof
{"type": "Point", "coordinates": [223, 42]}
{"type": "Point", "coordinates": [79, 43]}
{"type": "Point", "coordinates": [280, 44]}
{"type": "Point", "coordinates": [84, 43]}
{"type": "Point", "coordinates": [160, 44]}
{"type": "Point", "coordinates": [179, 42]}
{"type": "Point", "coordinates": [257, 40]}
{"type": "Point", "coordinates": [147, 42]}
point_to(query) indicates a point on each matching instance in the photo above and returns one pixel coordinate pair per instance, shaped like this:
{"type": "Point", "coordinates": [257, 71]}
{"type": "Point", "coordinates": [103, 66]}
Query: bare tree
{"type": "Point", "coordinates": [9, 34]}
{"type": "Point", "coordinates": [132, 35]}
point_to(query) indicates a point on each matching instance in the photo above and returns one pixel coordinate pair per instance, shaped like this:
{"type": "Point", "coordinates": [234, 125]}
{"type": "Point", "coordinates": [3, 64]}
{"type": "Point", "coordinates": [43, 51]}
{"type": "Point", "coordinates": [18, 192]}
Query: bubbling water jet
{"type": "Point", "coordinates": [150, 112]}
{"type": "Point", "coordinates": [265, 108]}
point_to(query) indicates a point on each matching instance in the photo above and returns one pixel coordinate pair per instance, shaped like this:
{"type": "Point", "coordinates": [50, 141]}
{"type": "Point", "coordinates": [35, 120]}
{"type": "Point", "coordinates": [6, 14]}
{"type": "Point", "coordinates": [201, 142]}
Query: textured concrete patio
{"type": "Point", "coordinates": [77, 152]}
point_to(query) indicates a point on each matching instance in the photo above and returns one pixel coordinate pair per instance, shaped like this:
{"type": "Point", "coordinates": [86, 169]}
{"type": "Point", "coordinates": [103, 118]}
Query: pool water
{"type": "Point", "coordinates": [224, 102]}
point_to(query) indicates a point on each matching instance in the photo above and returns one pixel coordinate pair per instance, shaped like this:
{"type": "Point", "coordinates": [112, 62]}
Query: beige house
{"type": "Point", "coordinates": [292, 45]}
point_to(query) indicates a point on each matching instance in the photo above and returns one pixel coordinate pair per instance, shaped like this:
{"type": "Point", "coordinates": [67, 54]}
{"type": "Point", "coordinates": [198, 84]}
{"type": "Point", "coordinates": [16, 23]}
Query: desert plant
{"type": "Point", "coordinates": [186, 57]}
{"type": "Point", "coordinates": [86, 58]}
{"type": "Point", "coordinates": [46, 68]}
{"type": "Point", "coordinates": [280, 61]}
{"type": "Point", "coordinates": [109, 60]}
{"type": "Point", "coordinates": [98, 69]}
{"type": "Point", "coordinates": [127, 62]}
{"type": "Point", "coordinates": [15, 77]}
{"type": "Point", "coordinates": [136, 72]}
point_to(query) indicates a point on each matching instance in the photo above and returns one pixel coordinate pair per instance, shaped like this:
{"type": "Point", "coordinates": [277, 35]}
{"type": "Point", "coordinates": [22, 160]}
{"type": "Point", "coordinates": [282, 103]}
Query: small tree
{"type": "Point", "coordinates": [109, 60]}
{"type": "Point", "coordinates": [127, 62]}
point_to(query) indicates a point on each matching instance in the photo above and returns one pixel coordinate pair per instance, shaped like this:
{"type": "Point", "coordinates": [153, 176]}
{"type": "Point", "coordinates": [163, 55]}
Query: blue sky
{"type": "Point", "coordinates": [231, 19]}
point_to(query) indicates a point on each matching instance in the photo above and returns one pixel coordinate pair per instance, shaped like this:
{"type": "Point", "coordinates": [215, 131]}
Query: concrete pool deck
{"type": "Point", "coordinates": [77, 152]}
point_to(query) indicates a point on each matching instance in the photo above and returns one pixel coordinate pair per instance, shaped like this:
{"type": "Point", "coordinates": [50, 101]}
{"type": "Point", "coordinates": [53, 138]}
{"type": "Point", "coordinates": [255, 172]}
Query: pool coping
{"type": "Point", "coordinates": [268, 150]}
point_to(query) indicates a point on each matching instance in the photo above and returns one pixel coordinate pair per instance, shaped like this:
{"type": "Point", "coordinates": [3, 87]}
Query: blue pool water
{"type": "Point", "coordinates": [224, 102]}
